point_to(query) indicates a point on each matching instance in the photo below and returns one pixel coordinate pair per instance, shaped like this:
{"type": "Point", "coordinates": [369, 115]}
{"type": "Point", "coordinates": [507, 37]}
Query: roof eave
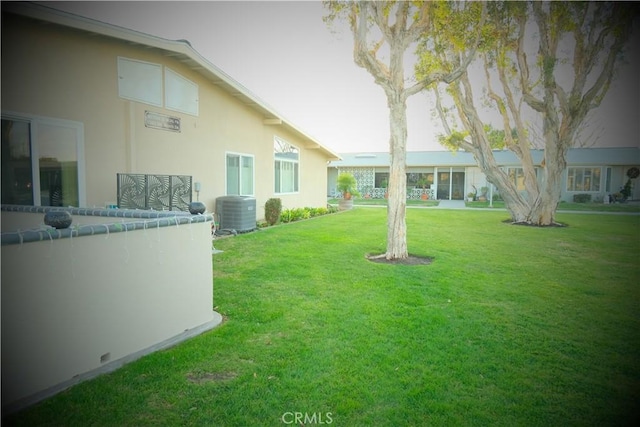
{"type": "Point", "coordinates": [180, 49]}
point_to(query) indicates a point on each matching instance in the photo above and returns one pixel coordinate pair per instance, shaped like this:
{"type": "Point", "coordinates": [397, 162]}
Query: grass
{"type": "Point", "coordinates": [563, 206]}
{"type": "Point", "coordinates": [383, 202]}
{"type": "Point", "coordinates": [510, 325]}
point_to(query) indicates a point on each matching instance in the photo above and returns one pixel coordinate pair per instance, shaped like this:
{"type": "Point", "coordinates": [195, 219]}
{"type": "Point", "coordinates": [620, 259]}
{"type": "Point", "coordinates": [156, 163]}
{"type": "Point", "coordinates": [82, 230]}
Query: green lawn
{"type": "Point", "coordinates": [510, 325]}
{"type": "Point", "coordinates": [591, 207]}
{"type": "Point", "coordinates": [383, 202]}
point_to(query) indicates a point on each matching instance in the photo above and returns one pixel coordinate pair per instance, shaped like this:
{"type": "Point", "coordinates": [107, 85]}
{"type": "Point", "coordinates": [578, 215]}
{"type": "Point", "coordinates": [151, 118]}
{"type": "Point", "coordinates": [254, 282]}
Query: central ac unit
{"type": "Point", "coordinates": [236, 213]}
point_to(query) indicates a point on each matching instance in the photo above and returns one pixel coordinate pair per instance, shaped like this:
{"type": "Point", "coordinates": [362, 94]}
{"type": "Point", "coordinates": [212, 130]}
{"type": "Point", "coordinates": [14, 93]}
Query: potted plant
{"type": "Point", "coordinates": [470, 196]}
{"type": "Point", "coordinates": [384, 184]}
{"type": "Point", "coordinates": [483, 194]}
{"type": "Point", "coordinates": [422, 182]}
{"type": "Point", "coordinates": [625, 191]}
{"type": "Point", "coordinates": [346, 184]}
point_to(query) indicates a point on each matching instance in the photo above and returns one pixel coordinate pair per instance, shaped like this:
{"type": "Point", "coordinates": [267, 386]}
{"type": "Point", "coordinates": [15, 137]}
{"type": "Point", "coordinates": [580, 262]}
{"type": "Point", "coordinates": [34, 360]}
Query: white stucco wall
{"type": "Point", "coordinates": [70, 306]}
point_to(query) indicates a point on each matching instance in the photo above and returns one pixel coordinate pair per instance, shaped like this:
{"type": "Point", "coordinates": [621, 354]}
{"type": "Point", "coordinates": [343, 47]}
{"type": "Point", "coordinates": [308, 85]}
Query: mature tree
{"type": "Point", "coordinates": [382, 33]}
{"type": "Point", "coordinates": [559, 88]}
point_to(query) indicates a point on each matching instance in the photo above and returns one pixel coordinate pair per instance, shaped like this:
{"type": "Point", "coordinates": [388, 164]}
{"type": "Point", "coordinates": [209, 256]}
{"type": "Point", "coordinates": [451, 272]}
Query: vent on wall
{"type": "Point", "coordinates": [236, 213]}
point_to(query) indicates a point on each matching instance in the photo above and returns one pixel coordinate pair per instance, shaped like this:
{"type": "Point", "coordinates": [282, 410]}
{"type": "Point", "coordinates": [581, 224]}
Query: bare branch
{"type": "Point", "coordinates": [381, 20]}
{"type": "Point", "coordinates": [422, 23]}
{"type": "Point", "coordinates": [506, 122]}
{"type": "Point", "coordinates": [362, 55]}
{"type": "Point", "coordinates": [440, 110]}
{"type": "Point", "coordinates": [523, 66]}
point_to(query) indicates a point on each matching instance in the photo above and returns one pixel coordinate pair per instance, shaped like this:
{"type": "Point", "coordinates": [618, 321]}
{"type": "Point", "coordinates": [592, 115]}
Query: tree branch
{"type": "Point", "coordinates": [523, 66]}
{"type": "Point", "coordinates": [422, 24]}
{"type": "Point", "coordinates": [450, 76]}
{"type": "Point", "coordinates": [362, 55]}
{"type": "Point", "coordinates": [440, 111]}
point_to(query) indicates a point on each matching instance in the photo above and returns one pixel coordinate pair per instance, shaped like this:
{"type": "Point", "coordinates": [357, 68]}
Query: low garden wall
{"type": "Point", "coordinates": [115, 285]}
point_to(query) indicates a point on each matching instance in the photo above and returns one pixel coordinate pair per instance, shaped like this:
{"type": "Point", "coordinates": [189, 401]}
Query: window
{"type": "Point", "coordinates": [42, 162]}
{"type": "Point", "coordinates": [239, 175]}
{"type": "Point", "coordinates": [516, 175]}
{"type": "Point", "coordinates": [381, 180]}
{"type": "Point", "coordinates": [416, 179]}
{"type": "Point", "coordinates": [583, 179]}
{"type": "Point", "coordinates": [180, 94]}
{"type": "Point", "coordinates": [287, 173]}
{"type": "Point", "coordinates": [140, 81]}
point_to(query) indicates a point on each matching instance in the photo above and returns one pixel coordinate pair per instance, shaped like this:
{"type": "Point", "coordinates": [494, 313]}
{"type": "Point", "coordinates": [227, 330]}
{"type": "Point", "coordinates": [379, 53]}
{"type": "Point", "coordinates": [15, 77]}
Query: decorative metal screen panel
{"type": "Point", "coordinates": [365, 179]}
{"type": "Point", "coordinates": [158, 192]}
{"type": "Point", "coordinates": [416, 193]}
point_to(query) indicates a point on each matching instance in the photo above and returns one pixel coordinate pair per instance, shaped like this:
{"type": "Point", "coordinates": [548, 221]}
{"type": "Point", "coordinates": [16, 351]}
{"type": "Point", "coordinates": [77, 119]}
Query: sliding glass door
{"type": "Point", "coordinates": [17, 177]}
{"type": "Point", "coordinates": [42, 162]}
{"type": "Point", "coordinates": [450, 185]}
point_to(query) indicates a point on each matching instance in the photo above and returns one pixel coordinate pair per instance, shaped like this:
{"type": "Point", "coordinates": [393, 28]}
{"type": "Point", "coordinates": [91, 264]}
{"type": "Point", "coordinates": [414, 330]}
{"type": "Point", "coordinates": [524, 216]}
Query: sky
{"type": "Point", "coordinates": [284, 53]}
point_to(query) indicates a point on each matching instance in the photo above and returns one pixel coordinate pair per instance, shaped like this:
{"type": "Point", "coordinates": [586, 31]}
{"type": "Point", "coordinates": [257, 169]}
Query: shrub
{"type": "Point", "coordinates": [290, 215]}
{"type": "Point", "coordinates": [319, 211]}
{"type": "Point", "coordinates": [632, 173]}
{"type": "Point", "coordinates": [582, 198]}
{"type": "Point", "coordinates": [272, 210]}
{"type": "Point", "coordinates": [297, 214]}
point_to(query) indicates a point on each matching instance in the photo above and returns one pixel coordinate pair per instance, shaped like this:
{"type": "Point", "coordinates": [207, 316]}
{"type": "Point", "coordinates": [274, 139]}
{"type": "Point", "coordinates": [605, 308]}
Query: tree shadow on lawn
{"type": "Point", "coordinates": [410, 260]}
{"type": "Point", "coordinates": [529, 224]}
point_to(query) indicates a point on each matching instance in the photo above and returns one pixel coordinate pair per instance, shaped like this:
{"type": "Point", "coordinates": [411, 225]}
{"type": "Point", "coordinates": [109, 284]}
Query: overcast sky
{"type": "Point", "coordinates": [285, 54]}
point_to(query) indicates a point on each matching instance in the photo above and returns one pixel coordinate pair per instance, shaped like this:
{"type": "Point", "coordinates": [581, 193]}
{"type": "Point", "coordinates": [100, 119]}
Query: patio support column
{"type": "Point", "coordinates": [435, 180]}
{"type": "Point", "coordinates": [450, 181]}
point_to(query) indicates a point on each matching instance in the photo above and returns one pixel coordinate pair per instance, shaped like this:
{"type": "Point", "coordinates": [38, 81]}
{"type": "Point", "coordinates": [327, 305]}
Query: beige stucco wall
{"type": "Point", "coordinates": [53, 71]}
{"type": "Point", "coordinates": [68, 303]}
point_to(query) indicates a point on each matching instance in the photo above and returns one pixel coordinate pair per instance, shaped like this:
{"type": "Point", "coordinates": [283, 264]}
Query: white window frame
{"type": "Point", "coordinates": [180, 93]}
{"type": "Point", "coordinates": [36, 121]}
{"type": "Point", "coordinates": [253, 180]}
{"type": "Point", "coordinates": [140, 81]}
{"type": "Point", "coordinates": [592, 168]}
{"type": "Point", "coordinates": [293, 162]}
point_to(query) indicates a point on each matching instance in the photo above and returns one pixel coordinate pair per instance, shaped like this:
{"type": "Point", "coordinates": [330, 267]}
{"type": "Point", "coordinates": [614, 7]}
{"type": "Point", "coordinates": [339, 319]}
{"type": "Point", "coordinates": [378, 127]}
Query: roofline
{"type": "Point", "coordinates": [373, 154]}
{"type": "Point", "coordinates": [181, 49]}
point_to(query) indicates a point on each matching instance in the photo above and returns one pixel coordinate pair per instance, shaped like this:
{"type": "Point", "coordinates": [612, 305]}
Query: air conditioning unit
{"type": "Point", "coordinates": [236, 213]}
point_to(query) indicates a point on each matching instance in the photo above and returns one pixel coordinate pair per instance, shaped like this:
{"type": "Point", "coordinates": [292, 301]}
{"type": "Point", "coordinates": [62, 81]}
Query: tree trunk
{"type": "Point", "coordinates": [543, 211]}
{"type": "Point", "coordinates": [397, 202]}
{"type": "Point", "coordinates": [483, 153]}
{"type": "Point", "coordinates": [516, 205]}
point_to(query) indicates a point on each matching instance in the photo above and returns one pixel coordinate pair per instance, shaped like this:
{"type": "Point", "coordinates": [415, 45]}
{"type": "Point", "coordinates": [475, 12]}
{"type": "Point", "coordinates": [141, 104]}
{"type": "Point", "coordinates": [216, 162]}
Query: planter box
{"type": "Point", "coordinates": [345, 204]}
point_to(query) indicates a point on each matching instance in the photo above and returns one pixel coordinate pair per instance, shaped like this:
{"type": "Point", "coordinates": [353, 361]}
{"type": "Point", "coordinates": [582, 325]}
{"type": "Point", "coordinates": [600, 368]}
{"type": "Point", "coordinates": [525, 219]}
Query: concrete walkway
{"type": "Point", "coordinates": [451, 204]}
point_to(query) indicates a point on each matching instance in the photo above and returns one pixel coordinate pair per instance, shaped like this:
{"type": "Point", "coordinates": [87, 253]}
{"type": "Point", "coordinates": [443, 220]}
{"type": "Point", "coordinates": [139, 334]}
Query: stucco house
{"type": "Point", "coordinates": [451, 175]}
{"type": "Point", "coordinates": [83, 101]}
{"type": "Point", "coordinates": [88, 111]}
